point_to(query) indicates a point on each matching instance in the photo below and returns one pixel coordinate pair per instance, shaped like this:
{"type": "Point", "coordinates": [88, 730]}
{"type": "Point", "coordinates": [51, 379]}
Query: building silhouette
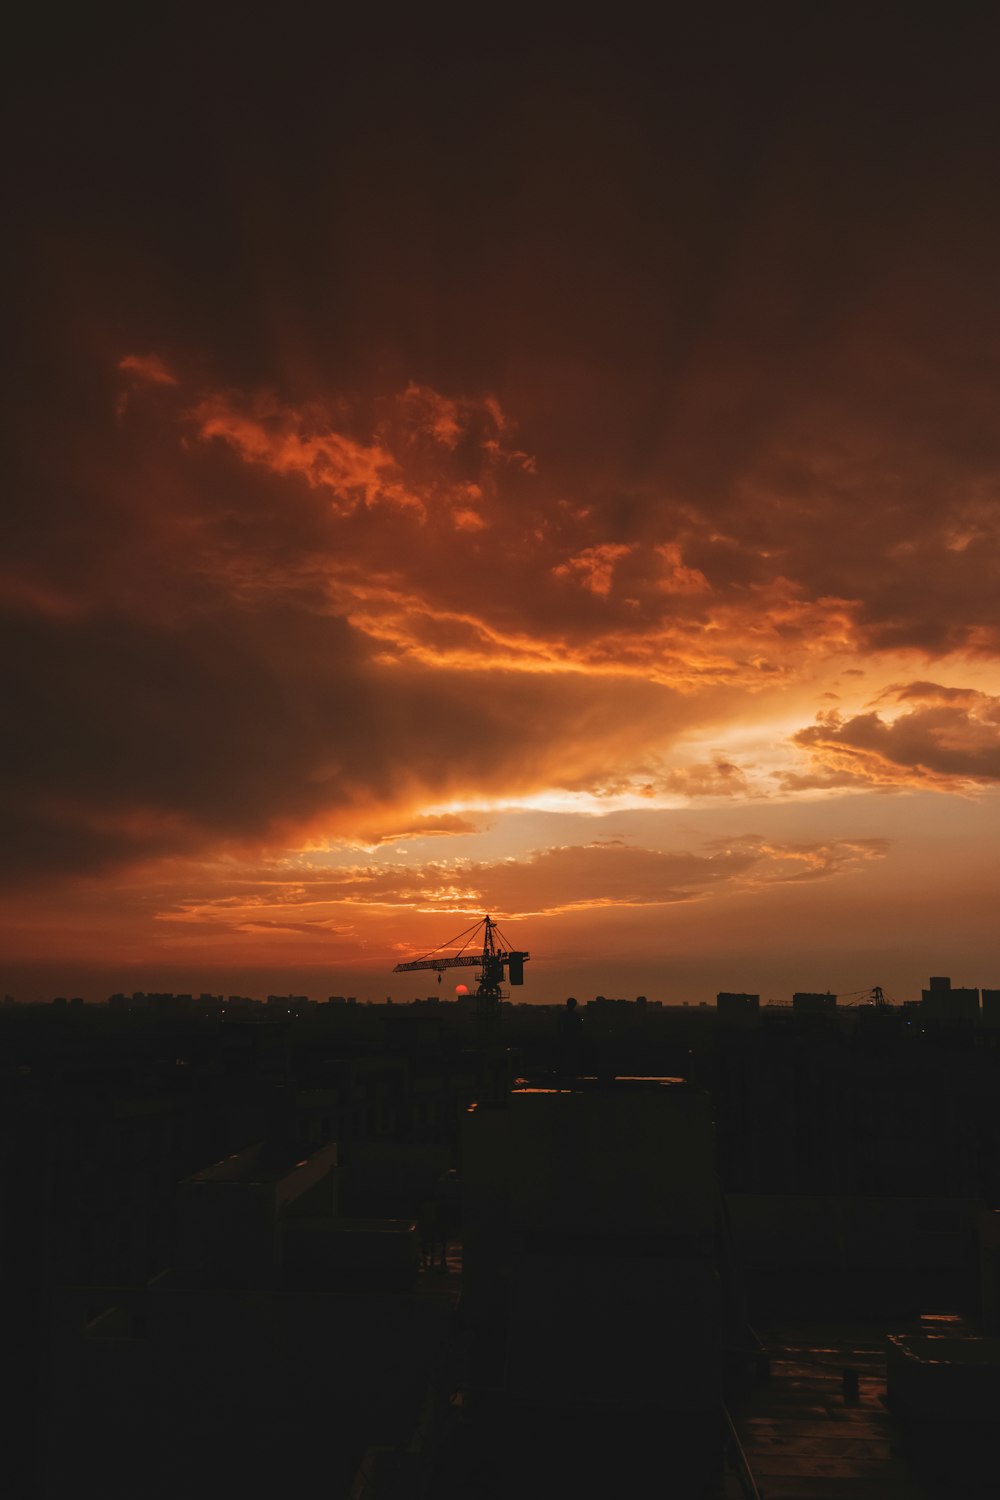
{"type": "Point", "coordinates": [206, 1196]}
{"type": "Point", "coordinates": [943, 1002]}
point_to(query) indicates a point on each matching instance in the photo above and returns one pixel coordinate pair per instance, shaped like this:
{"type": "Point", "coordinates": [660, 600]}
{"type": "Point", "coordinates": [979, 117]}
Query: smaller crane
{"type": "Point", "coordinates": [496, 955]}
{"type": "Point", "coordinates": [875, 996]}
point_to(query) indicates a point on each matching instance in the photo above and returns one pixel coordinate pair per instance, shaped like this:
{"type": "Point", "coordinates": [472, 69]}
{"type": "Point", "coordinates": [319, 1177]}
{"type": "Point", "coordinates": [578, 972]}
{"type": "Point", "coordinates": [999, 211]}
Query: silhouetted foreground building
{"type": "Point", "coordinates": [943, 1382]}
{"type": "Point", "coordinates": [943, 1389]}
{"type": "Point", "coordinates": [592, 1291]}
{"type": "Point", "coordinates": [288, 1345]}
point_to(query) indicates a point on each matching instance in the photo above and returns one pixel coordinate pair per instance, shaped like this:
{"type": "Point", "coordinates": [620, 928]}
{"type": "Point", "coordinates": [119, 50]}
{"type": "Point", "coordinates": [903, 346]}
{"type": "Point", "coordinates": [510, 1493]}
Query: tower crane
{"type": "Point", "coordinates": [495, 956]}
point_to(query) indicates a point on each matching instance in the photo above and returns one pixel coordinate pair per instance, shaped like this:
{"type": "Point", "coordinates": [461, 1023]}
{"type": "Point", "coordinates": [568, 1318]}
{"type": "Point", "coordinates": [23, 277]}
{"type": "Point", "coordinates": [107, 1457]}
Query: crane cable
{"type": "Point", "coordinates": [468, 933]}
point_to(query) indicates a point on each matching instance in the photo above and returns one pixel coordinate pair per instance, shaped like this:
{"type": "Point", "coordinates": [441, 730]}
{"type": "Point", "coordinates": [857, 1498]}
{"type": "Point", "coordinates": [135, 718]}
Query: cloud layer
{"type": "Point", "coordinates": [321, 900]}
{"type": "Point", "coordinates": [284, 623]}
{"type": "Point", "coordinates": [579, 426]}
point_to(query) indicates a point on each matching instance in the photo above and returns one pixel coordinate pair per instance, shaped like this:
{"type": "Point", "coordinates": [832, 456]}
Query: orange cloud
{"type": "Point", "coordinates": [949, 741]}
{"type": "Point", "coordinates": [148, 369]}
{"type": "Point", "coordinates": [593, 567]}
{"type": "Point", "coordinates": [440, 825]}
{"type": "Point", "coordinates": [792, 863]}
{"type": "Point", "coordinates": [423, 451]}
{"type": "Point", "coordinates": [715, 778]}
{"type": "Point", "coordinates": [678, 579]}
{"type": "Point", "coordinates": [285, 443]}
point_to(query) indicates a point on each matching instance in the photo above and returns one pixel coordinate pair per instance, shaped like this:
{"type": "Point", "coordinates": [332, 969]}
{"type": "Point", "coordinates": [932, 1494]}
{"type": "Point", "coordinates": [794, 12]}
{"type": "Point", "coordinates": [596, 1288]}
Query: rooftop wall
{"type": "Point", "coordinates": [628, 1161]}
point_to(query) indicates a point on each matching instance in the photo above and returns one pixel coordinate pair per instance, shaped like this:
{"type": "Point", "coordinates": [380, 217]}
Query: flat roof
{"type": "Point", "coordinates": [543, 1083]}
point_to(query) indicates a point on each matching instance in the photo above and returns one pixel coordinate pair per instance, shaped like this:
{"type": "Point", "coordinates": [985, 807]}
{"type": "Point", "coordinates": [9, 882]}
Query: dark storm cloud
{"type": "Point", "coordinates": [181, 670]}
{"type": "Point", "coordinates": [344, 375]}
{"type": "Point", "coordinates": [127, 738]}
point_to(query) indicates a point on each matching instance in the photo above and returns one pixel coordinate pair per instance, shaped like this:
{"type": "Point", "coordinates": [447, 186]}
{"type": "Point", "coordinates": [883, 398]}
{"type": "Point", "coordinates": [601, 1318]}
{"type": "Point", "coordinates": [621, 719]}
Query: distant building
{"type": "Point", "coordinates": [943, 1002]}
{"type": "Point", "coordinates": [619, 1010]}
{"type": "Point", "coordinates": [809, 1003]}
{"type": "Point", "coordinates": [241, 1003]}
{"type": "Point", "coordinates": [294, 1005]}
{"type": "Point", "coordinates": [991, 1008]}
{"type": "Point", "coordinates": [729, 1003]}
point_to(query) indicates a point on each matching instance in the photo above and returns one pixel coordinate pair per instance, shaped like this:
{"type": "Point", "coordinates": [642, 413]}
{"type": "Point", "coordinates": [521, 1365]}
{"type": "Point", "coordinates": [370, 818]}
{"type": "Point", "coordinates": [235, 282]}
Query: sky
{"type": "Point", "coordinates": [462, 471]}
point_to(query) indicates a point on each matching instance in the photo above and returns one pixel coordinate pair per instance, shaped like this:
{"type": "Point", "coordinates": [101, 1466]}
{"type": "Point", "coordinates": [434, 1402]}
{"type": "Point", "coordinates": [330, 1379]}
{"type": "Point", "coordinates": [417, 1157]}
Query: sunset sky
{"type": "Point", "coordinates": [473, 472]}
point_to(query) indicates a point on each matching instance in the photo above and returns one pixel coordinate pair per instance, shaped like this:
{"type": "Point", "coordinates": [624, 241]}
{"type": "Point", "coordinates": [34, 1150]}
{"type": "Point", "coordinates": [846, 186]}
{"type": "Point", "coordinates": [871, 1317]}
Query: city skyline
{"type": "Point", "coordinates": [560, 483]}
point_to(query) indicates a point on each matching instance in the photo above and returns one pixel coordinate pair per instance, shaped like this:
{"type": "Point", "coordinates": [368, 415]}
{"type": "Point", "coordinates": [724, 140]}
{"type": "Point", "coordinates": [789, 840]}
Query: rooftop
{"type": "Point", "coordinates": [807, 1436]}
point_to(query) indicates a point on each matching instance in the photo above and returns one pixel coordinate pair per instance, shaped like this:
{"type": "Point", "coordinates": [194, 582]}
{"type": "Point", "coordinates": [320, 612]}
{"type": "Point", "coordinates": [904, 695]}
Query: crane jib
{"type": "Point", "coordinates": [514, 961]}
